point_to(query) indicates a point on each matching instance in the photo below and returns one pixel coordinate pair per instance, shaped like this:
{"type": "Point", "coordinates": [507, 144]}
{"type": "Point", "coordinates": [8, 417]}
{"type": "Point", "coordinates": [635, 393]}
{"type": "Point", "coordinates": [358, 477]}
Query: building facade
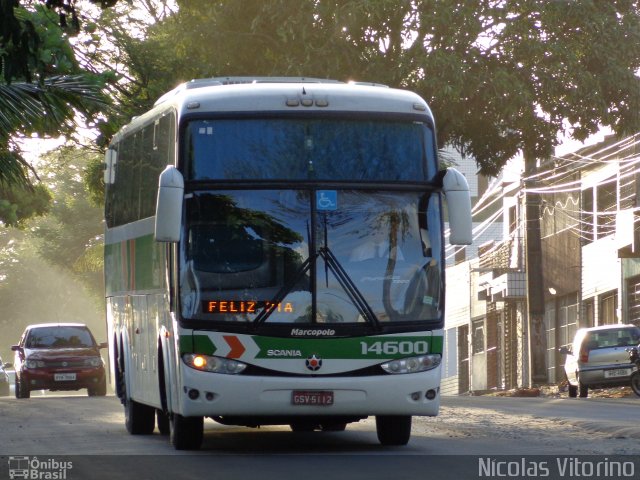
{"type": "Point", "coordinates": [589, 225]}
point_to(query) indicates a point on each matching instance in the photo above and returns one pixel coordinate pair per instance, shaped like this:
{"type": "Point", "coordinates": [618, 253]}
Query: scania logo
{"type": "Point", "coordinates": [313, 362]}
{"type": "Point", "coordinates": [64, 364]}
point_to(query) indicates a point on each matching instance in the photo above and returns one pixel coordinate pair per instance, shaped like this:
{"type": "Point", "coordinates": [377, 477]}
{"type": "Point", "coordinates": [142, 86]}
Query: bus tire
{"type": "Point", "coordinates": [139, 419]}
{"type": "Point", "coordinates": [186, 432]}
{"type": "Point", "coordinates": [393, 429]}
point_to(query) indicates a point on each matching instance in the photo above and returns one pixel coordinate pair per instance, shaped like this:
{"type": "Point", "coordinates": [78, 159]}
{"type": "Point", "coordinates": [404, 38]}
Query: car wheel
{"type": "Point", "coordinates": [635, 383]}
{"type": "Point", "coordinates": [584, 390]}
{"type": "Point", "coordinates": [22, 389]}
{"type": "Point", "coordinates": [186, 432]}
{"type": "Point", "coordinates": [99, 391]}
{"type": "Point", "coordinates": [573, 391]}
{"type": "Point", "coordinates": [393, 429]}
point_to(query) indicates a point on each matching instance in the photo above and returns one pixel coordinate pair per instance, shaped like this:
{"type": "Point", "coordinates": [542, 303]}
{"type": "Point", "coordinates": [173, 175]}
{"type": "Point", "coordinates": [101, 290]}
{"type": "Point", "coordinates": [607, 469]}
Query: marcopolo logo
{"type": "Point", "coordinates": [38, 469]}
{"type": "Point", "coordinates": [312, 332]}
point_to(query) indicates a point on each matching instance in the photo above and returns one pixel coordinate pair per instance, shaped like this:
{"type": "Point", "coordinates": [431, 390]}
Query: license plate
{"type": "Point", "coordinates": [618, 372]}
{"type": "Point", "coordinates": [64, 377]}
{"type": "Point", "coordinates": [314, 397]}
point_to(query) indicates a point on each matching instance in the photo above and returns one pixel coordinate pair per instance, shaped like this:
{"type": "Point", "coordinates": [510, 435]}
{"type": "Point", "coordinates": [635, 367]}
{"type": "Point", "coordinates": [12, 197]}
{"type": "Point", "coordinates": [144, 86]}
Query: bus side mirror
{"type": "Point", "coordinates": [169, 205]}
{"type": "Point", "coordinates": [456, 192]}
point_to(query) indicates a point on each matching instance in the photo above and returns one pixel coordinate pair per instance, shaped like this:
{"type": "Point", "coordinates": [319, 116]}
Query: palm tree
{"type": "Point", "coordinates": [50, 107]}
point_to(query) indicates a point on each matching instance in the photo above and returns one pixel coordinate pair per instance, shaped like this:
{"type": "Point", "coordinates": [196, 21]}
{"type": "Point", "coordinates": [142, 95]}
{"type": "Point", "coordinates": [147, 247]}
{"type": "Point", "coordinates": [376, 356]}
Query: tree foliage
{"type": "Point", "coordinates": [25, 46]}
{"type": "Point", "coordinates": [70, 235]}
{"type": "Point", "coordinates": [19, 203]}
{"type": "Point", "coordinates": [501, 77]}
{"type": "Point", "coordinates": [43, 91]}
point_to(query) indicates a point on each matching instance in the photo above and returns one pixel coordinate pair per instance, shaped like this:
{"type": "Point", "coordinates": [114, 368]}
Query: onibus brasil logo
{"type": "Point", "coordinates": [37, 469]}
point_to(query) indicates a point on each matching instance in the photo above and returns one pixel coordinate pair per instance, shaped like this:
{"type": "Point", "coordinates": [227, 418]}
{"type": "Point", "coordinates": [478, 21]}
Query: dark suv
{"type": "Point", "coordinates": [599, 357]}
{"type": "Point", "coordinates": [58, 356]}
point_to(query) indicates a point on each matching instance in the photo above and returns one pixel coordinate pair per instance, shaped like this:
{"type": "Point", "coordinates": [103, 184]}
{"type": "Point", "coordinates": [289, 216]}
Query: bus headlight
{"type": "Point", "coordinates": [207, 363]}
{"type": "Point", "coordinates": [412, 364]}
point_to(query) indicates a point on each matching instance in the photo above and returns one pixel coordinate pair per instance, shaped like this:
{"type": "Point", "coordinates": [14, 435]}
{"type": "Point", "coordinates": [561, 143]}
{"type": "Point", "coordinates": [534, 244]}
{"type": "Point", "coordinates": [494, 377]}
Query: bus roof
{"type": "Point", "coordinates": [283, 94]}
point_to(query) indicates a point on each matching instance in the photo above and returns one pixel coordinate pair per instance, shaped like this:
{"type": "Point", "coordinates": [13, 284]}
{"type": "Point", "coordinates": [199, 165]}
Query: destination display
{"type": "Point", "coordinates": [245, 306]}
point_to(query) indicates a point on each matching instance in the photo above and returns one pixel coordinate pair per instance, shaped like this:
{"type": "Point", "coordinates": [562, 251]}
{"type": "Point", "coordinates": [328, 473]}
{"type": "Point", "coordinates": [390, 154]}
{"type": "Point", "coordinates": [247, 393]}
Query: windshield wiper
{"type": "Point", "coordinates": [283, 292]}
{"type": "Point", "coordinates": [343, 278]}
{"type": "Point", "coordinates": [349, 286]}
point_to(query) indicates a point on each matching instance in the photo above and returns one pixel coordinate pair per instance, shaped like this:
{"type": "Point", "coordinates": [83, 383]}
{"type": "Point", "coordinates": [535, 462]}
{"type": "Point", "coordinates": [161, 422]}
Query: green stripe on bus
{"type": "Point", "coordinates": [382, 347]}
{"type": "Point", "coordinates": [378, 347]}
{"type": "Point", "coordinates": [135, 264]}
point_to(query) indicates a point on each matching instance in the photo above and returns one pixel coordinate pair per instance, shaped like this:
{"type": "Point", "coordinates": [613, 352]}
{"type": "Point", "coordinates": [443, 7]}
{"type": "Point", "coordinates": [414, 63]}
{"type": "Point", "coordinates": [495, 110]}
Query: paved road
{"type": "Point", "coordinates": [615, 416]}
{"type": "Point", "coordinates": [89, 433]}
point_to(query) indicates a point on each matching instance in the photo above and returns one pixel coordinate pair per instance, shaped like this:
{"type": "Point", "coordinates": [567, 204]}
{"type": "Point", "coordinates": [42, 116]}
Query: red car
{"type": "Point", "coordinates": [58, 356]}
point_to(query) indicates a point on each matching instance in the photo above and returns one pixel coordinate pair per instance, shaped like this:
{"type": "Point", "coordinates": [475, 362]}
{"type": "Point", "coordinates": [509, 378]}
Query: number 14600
{"type": "Point", "coordinates": [393, 347]}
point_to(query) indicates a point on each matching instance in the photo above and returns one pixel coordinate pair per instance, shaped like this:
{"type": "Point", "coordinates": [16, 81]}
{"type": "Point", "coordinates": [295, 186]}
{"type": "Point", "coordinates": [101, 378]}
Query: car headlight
{"type": "Point", "coordinates": [412, 364]}
{"type": "Point", "coordinates": [34, 363]}
{"type": "Point", "coordinates": [93, 361]}
{"type": "Point", "coordinates": [207, 363]}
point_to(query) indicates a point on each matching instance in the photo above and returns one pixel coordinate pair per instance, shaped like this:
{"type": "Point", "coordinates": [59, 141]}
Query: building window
{"type": "Point", "coordinates": [608, 307]}
{"type": "Point", "coordinates": [607, 204]}
{"type": "Point", "coordinates": [633, 300]}
{"type": "Point", "coordinates": [567, 318]}
{"type": "Point", "coordinates": [478, 336]}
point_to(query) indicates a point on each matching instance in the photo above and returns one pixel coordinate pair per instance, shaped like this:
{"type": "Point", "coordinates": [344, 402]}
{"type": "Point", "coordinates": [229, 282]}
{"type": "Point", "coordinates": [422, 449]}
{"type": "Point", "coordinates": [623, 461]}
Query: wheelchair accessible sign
{"type": "Point", "coordinates": [327, 200]}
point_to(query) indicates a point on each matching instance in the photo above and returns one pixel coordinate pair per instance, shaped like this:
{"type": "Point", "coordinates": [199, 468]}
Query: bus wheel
{"type": "Point", "coordinates": [162, 419]}
{"type": "Point", "coordinates": [138, 418]}
{"type": "Point", "coordinates": [393, 429]}
{"type": "Point", "coordinates": [186, 432]}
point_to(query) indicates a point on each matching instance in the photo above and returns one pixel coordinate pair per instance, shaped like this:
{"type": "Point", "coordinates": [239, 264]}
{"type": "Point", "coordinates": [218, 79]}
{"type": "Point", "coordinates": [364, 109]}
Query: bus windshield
{"type": "Point", "coordinates": [309, 149]}
{"type": "Point", "coordinates": [305, 256]}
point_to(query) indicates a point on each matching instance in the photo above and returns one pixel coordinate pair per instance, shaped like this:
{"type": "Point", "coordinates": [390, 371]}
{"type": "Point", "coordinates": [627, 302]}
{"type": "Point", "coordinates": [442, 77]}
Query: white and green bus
{"type": "Point", "coordinates": [274, 256]}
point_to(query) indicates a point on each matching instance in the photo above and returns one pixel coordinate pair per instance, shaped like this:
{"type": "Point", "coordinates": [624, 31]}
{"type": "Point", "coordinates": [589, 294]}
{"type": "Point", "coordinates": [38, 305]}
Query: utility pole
{"type": "Point", "coordinates": [537, 335]}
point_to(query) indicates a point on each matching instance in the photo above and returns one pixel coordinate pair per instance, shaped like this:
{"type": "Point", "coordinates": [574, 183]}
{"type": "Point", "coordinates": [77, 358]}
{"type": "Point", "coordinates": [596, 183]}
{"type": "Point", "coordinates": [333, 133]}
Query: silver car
{"type": "Point", "coordinates": [599, 357]}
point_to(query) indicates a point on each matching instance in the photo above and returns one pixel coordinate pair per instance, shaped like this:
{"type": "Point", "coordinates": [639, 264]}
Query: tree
{"type": "Point", "coordinates": [19, 203]}
{"type": "Point", "coordinates": [70, 236]}
{"type": "Point", "coordinates": [24, 52]}
{"type": "Point", "coordinates": [42, 89]}
{"type": "Point", "coordinates": [501, 77]}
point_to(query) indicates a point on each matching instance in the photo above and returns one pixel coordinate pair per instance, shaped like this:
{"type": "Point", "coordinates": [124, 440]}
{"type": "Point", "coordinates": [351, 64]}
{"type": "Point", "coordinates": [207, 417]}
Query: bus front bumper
{"type": "Point", "coordinates": [210, 394]}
